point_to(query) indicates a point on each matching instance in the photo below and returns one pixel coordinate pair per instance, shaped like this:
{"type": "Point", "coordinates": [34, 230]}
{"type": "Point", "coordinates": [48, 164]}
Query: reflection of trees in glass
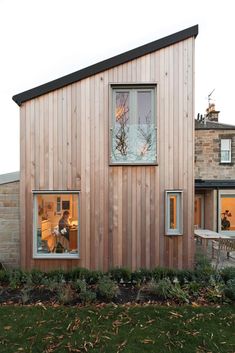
{"type": "Point", "coordinates": [145, 132]}
{"type": "Point", "coordinates": [121, 116]}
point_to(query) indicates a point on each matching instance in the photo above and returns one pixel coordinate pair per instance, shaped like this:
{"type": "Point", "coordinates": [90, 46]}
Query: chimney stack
{"type": "Point", "coordinates": [211, 113]}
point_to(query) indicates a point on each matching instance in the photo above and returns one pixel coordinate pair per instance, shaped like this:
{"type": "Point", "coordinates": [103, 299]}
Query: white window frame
{"type": "Point", "coordinates": [229, 193]}
{"type": "Point", "coordinates": [179, 212]}
{"type": "Point", "coordinates": [150, 87]}
{"type": "Point", "coordinates": [35, 220]}
{"type": "Point", "coordinates": [226, 150]}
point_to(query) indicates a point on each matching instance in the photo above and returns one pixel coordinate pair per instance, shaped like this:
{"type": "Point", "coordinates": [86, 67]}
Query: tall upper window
{"type": "Point", "coordinates": [56, 225]}
{"type": "Point", "coordinates": [133, 127]}
{"type": "Point", "coordinates": [225, 150]}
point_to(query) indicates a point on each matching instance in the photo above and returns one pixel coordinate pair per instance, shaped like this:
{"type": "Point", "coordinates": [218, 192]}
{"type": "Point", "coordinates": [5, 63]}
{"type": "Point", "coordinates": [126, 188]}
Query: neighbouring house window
{"type": "Point", "coordinates": [133, 127]}
{"type": "Point", "coordinates": [225, 150]}
{"type": "Point", "coordinates": [173, 212]}
{"type": "Point", "coordinates": [227, 212]}
{"type": "Point", "coordinates": [56, 224]}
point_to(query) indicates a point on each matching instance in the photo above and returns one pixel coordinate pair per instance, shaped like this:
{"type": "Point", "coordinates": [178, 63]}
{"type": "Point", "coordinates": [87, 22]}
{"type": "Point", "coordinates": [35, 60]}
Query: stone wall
{"type": "Point", "coordinates": [9, 224]}
{"type": "Point", "coordinates": [207, 155]}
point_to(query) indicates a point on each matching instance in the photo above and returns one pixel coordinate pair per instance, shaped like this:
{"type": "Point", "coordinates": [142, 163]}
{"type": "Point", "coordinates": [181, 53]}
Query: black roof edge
{"type": "Point", "coordinates": [106, 64]}
{"type": "Point", "coordinates": [212, 184]}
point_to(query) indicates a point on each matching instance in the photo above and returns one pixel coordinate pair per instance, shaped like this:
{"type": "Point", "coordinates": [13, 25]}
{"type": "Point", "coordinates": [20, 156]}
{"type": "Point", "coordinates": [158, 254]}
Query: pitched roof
{"type": "Point", "coordinates": [212, 125]}
{"type": "Point", "coordinates": [9, 177]}
{"type": "Point", "coordinates": [106, 64]}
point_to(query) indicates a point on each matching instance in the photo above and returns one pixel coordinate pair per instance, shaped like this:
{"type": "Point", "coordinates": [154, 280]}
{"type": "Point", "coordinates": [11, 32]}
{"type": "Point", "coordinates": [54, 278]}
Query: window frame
{"type": "Point", "coordinates": [179, 212]}
{"type": "Point", "coordinates": [230, 151]}
{"type": "Point", "coordinates": [35, 214]}
{"type": "Point", "coordinates": [126, 87]}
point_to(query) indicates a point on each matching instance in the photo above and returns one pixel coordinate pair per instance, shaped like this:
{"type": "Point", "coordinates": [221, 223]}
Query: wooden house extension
{"type": "Point", "coordinates": [107, 162]}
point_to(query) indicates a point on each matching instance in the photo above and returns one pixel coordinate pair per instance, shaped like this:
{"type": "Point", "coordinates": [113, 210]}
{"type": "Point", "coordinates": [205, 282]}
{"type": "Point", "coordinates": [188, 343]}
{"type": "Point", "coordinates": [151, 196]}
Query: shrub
{"type": "Point", "coordinates": [118, 274]}
{"type": "Point", "coordinates": [161, 272]}
{"type": "Point", "coordinates": [141, 276]}
{"type": "Point", "coordinates": [80, 285]}
{"type": "Point", "coordinates": [106, 288]}
{"type": "Point", "coordinates": [56, 275]}
{"type": "Point", "coordinates": [92, 277]}
{"type": "Point", "coordinates": [4, 277]}
{"type": "Point", "coordinates": [87, 296]}
{"type": "Point", "coordinates": [229, 290]}
{"type": "Point", "coordinates": [37, 276]}
{"type": "Point", "coordinates": [227, 273]}
{"type": "Point", "coordinates": [17, 278]}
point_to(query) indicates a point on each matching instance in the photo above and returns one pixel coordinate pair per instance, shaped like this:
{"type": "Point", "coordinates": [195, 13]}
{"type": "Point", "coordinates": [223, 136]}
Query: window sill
{"type": "Point", "coordinates": [133, 164]}
{"type": "Point", "coordinates": [57, 256]}
{"type": "Point", "coordinates": [226, 163]}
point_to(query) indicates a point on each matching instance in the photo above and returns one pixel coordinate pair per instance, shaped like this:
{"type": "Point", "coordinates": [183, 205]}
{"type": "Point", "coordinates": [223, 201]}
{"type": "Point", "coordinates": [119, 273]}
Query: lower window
{"type": "Point", "coordinates": [173, 212]}
{"type": "Point", "coordinates": [227, 212]}
{"type": "Point", "coordinates": [56, 224]}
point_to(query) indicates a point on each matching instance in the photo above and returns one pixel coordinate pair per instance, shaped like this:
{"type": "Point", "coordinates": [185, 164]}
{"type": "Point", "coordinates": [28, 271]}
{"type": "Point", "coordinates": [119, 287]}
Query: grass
{"type": "Point", "coordinates": [127, 329]}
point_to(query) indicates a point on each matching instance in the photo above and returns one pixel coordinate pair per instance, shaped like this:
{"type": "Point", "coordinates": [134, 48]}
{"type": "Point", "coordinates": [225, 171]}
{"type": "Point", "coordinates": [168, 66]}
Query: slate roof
{"type": "Point", "coordinates": [9, 177]}
{"type": "Point", "coordinates": [106, 64]}
{"type": "Point", "coordinates": [212, 125]}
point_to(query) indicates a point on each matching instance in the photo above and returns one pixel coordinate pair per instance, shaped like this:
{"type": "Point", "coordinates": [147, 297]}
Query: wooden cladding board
{"type": "Point", "coordinates": [64, 146]}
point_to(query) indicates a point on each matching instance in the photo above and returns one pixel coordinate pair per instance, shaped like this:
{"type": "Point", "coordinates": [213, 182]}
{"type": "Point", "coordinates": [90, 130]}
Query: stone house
{"type": "Point", "coordinates": [214, 173]}
{"type": "Point", "coordinates": [9, 220]}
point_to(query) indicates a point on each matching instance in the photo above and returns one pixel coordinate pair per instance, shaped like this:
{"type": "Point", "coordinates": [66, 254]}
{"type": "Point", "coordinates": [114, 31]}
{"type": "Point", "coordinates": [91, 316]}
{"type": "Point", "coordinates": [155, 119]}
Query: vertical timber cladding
{"type": "Point", "coordinates": [64, 146]}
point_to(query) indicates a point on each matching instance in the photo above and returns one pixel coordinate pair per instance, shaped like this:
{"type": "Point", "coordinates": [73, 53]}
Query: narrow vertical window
{"type": "Point", "coordinates": [173, 212]}
{"type": "Point", "coordinates": [225, 150]}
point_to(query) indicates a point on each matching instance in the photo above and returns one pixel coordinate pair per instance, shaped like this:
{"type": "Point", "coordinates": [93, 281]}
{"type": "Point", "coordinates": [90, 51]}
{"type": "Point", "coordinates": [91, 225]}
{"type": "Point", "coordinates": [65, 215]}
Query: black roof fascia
{"type": "Point", "coordinates": [106, 64]}
{"type": "Point", "coordinates": [213, 184]}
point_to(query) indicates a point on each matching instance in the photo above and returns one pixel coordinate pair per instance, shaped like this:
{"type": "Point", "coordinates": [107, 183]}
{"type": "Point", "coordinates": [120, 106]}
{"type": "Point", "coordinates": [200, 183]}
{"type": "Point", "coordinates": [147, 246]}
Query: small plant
{"type": "Point", "coordinates": [120, 274]}
{"type": "Point", "coordinates": [162, 288]}
{"type": "Point", "coordinates": [214, 291]}
{"type": "Point", "coordinates": [106, 288]}
{"type": "Point", "coordinates": [229, 290]}
{"type": "Point", "coordinates": [65, 294]}
{"type": "Point", "coordinates": [25, 295]}
{"type": "Point", "coordinates": [193, 288]}
{"type": "Point", "coordinates": [179, 294]}
{"type": "Point", "coordinates": [87, 296]}
{"type": "Point", "coordinates": [80, 285]}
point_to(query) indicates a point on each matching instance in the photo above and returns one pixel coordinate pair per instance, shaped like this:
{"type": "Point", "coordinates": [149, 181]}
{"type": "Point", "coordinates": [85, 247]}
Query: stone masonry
{"type": "Point", "coordinates": [9, 224]}
{"type": "Point", "coordinates": [207, 155]}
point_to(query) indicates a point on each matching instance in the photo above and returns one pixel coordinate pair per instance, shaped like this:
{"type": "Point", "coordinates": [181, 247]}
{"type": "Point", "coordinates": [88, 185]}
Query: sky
{"type": "Point", "coordinates": [41, 40]}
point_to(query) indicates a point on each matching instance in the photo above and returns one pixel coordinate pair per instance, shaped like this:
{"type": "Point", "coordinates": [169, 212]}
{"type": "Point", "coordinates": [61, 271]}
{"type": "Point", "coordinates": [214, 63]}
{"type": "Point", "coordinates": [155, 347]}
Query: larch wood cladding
{"type": "Point", "coordinates": [64, 146]}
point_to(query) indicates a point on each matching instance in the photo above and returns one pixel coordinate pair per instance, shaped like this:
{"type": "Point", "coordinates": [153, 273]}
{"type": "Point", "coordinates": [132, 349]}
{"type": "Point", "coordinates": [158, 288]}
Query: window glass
{"type": "Point", "coordinates": [133, 127]}
{"type": "Point", "coordinates": [226, 150]}
{"type": "Point", "coordinates": [173, 219]}
{"type": "Point", "coordinates": [227, 208]}
{"type": "Point", "coordinates": [56, 224]}
{"type": "Point", "coordinates": [173, 213]}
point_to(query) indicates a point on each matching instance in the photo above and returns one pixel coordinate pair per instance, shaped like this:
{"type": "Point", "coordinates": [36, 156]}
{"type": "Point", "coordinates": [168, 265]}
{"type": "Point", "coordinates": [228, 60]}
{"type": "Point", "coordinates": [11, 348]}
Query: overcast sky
{"type": "Point", "coordinates": [42, 40]}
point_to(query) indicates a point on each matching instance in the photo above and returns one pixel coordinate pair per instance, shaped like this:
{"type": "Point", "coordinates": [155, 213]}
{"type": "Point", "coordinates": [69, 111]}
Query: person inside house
{"type": "Point", "coordinates": [64, 230]}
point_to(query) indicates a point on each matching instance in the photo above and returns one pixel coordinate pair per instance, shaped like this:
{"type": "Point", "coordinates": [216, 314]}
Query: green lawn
{"type": "Point", "coordinates": [117, 329]}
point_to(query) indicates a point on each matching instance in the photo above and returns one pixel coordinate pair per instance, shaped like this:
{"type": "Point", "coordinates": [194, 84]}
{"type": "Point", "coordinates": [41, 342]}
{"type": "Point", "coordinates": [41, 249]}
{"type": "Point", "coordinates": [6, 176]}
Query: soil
{"type": "Point", "coordinates": [126, 294]}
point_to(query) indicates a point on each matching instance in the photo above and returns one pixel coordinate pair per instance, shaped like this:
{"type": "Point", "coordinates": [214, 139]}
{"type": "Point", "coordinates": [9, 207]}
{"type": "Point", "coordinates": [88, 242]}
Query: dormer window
{"type": "Point", "coordinates": [225, 150]}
